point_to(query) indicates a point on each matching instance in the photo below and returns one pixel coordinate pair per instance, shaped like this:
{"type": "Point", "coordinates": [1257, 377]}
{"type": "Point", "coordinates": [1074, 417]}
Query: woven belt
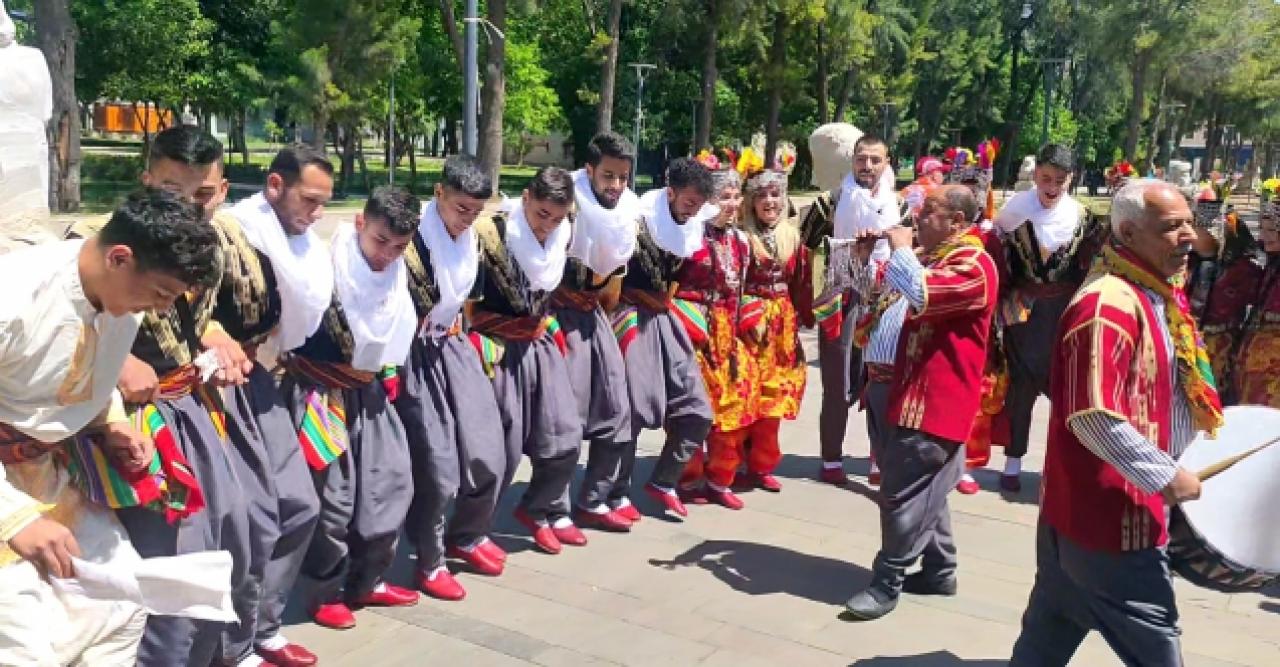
{"type": "Point", "coordinates": [178, 382]}
{"type": "Point", "coordinates": [326, 374]}
{"type": "Point", "coordinates": [565, 297]}
{"type": "Point", "coordinates": [652, 302]}
{"type": "Point", "coordinates": [503, 327]}
{"type": "Point", "coordinates": [882, 373]}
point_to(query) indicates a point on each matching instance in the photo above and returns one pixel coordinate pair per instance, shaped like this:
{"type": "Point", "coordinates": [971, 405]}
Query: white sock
{"type": "Point", "coordinates": [437, 572]}
{"type": "Point", "coordinates": [562, 523]}
{"type": "Point", "coordinates": [669, 492]}
{"type": "Point", "coordinates": [1012, 466]}
{"type": "Point", "coordinates": [600, 509]}
{"type": "Point", "coordinates": [380, 588]}
{"type": "Point", "coordinates": [623, 502]}
{"type": "Point", "coordinates": [874, 468]}
{"type": "Point", "coordinates": [251, 661]}
{"type": "Point", "coordinates": [832, 465]}
{"type": "Point", "coordinates": [274, 642]}
{"type": "Point", "coordinates": [717, 487]}
{"type": "Point", "coordinates": [966, 478]}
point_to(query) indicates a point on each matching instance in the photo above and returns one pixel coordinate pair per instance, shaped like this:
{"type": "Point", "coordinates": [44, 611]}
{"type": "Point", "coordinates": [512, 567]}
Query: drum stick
{"type": "Point", "coordinates": [1222, 465]}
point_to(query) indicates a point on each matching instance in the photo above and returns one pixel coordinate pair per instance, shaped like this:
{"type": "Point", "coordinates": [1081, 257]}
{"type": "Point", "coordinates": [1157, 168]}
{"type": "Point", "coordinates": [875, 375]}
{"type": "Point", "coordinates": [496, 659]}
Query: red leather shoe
{"type": "Point", "coordinates": [443, 587]}
{"type": "Point", "coordinates": [874, 478]}
{"type": "Point", "coordinates": [386, 595]}
{"type": "Point", "coordinates": [1011, 483]}
{"type": "Point", "coordinates": [834, 476]}
{"type": "Point", "coordinates": [628, 511]}
{"type": "Point", "coordinates": [335, 615]}
{"type": "Point", "coordinates": [569, 535]}
{"type": "Point", "coordinates": [692, 495]}
{"type": "Point", "coordinates": [768, 483]}
{"type": "Point", "coordinates": [669, 501]}
{"type": "Point", "coordinates": [609, 521]}
{"type": "Point", "coordinates": [289, 655]}
{"type": "Point", "coordinates": [543, 537]}
{"type": "Point", "coordinates": [727, 498]}
{"type": "Point", "coordinates": [480, 560]}
{"type": "Point", "coordinates": [968, 487]}
{"type": "Point", "coordinates": [490, 547]}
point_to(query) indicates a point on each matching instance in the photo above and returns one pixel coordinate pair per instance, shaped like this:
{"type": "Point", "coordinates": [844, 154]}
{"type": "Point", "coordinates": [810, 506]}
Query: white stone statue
{"type": "Point", "coordinates": [831, 147]}
{"type": "Point", "coordinates": [26, 104]}
{"type": "Point", "coordinates": [1026, 174]}
{"type": "Point", "coordinates": [1179, 173]}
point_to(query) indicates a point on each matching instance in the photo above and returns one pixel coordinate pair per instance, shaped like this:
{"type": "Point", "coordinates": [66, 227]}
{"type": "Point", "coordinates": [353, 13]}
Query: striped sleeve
{"type": "Point", "coordinates": [906, 274]}
{"type": "Point", "coordinates": [1117, 442]}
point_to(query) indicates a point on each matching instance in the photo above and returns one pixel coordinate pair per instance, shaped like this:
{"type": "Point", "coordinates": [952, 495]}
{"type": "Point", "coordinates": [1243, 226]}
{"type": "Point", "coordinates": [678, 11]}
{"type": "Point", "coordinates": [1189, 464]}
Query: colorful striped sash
{"type": "Point", "coordinates": [694, 320]}
{"type": "Point", "coordinates": [626, 325]}
{"type": "Point", "coordinates": [552, 326]}
{"type": "Point", "coordinates": [322, 433]}
{"type": "Point", "coordinates": [751, 310]}
{"type": "Point", "coordinates": [489, 350]}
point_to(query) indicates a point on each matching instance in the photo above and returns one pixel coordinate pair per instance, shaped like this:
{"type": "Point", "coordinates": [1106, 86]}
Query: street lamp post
{"type": "Point", "coordinates": [1171, 127]}
{"type": "Point", "coordinates": [640, 69]}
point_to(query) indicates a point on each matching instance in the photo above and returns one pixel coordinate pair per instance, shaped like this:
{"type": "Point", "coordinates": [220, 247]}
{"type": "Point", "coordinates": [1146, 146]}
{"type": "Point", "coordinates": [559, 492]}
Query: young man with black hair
{"type": "Point", "coordinates": [446, 402]}
{"type": "Point", "coordinates": [663, 378]}
{"type": "Point", "coordinates": [68, 315]}
{"type": "Point", "coordinates": [604, 236]}
{"type": "Point", "coordinates": [339, 384]}
{"type": "Point", "coordinates": [1047, 251]}
{"type": "Point", "coordinates": [522, 258]}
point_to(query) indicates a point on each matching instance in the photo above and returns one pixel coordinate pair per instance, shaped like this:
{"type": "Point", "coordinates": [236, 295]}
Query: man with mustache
{"type": "Point", "coordinates": [1048, 247]}
{"type": "Point", "coordinates": [1128, 396]}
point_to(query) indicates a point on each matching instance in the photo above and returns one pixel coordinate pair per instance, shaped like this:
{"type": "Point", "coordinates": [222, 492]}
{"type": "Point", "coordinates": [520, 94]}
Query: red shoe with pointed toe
{"type": "Point", "coordinates": [543, 537]}
{"type": "Point", "coordinates": [726, 498]}
{"type": "Point", "coordinates": [490, 547]}
{"type": "Point", "coordinates": [386, 595]}
{"type": "Point", "coordinates": [628, 512]}
{"type": "Point", "coordinates": [480, 561]}
{"type": "Point", "coordinates": [443, 587]}
{"type": "Point", "coordinates": [768, 483]}
{"type": "Point", "coordinates": [692, 496]}
{"type": "Point", "coordinates": [334, 615]}
{"type": "Point", "coordinates": [669, 501]}
{"type": "Point", "coordinates": [833, 476]}
{"type": "Point", "coordinates": [968, 487]}
{"type": "Point", "coordinates": [289, 655]}
{"type": "Point", "coordinates": [570, 535]}
{"type": "Point", "coordinates": [609, 521]}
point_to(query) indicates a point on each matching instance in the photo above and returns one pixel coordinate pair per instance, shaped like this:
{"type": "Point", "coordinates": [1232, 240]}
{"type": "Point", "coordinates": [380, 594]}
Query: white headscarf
{"type": "Point", "coordinates": [542, 263]}
{"type": "Point", "coordinates": [376, 303]}
{"type": "Point", "coordinates": [454, 263]}
{"type": "Point", "coordinates": [859, 209]}
{"type": "Point", "coordinates": [603, 238]}
{"type": "Point", "coordinates": [681, 240]}
{"type": "Point", "coordinates": [1054, 227]}
{"type": "Point", "coordinates": [304, 276]}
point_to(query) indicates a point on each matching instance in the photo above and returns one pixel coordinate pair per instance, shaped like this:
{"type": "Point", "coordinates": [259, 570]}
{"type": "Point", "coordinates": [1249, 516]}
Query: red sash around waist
{"type": "Point", "coordinates": [326, 374]}
{"type": "Point", "coordinates": [565, 297]}
{"type": "Point", "coordinates": [652, 302]}
{"type": "Point", "coordinates": [503, 327]}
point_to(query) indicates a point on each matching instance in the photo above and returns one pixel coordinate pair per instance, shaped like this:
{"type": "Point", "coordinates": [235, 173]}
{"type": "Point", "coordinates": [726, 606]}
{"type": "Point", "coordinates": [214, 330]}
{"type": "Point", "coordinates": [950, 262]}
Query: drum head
{"type": "Point", "coordinates": [1236, 510]}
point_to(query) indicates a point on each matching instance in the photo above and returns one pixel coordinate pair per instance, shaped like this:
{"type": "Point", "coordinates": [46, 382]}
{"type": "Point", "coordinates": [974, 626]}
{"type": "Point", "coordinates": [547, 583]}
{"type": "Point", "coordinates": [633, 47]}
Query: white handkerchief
{"type": "Point", "coordinates": [195, 585]}
{"type": "Point", "coordinates": [207, 364]}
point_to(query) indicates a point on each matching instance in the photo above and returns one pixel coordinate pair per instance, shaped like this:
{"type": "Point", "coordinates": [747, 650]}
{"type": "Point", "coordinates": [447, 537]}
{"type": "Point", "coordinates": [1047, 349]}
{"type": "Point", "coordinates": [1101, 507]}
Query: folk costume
{"type": "Point", "coordinates": [284, 507]}
{"type": "Point", "coordinates": [1047, 252]}
{"type": "Point", "coordinates": [1132, 386]}
{"type": "Point", "coordinates": [663, 378]}
{"type": "Point", "coordinates": [1256, 379]}
{"type": "Point", "coordinates": [447, 406]}
{"type": "Point", "coordinates": [540, 417]}
{"type": "Point", "coordinates": [933, 399]}
{"type": "Point", "coordinates": [841, 214]}
{"type": "Point", "coordinates": [336, 385]}
{"type": "Point", "coordinates": [602, 242]}
{"type": "Point", "coordinates": [59, 362]}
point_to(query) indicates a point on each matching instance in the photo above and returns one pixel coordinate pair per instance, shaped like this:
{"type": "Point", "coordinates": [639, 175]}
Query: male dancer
{"type": "Point", "coordinates": [339, 384]}
{"type": "Point", "coordinates": [446, 402]}
{"type": "Point", "coordinates": [663, 377]}
{"type": "Point", "coordinates": [522, 256]}
{"type": "Point", "coordinates": [68, 316]}
{"type": "Point", "coordinates": [604, 235]}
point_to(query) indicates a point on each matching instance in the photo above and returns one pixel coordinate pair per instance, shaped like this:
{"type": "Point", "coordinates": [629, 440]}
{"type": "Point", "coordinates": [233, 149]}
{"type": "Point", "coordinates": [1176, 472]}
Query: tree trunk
{"type": "Point", "coordinates": [451, 29]}
{"type": "Point", "coordinates": [239, 135]}
{"type": "Point", "coordinates": [364, 166]}
{"type": "Point", "coordinates": [842, 96]}
{"type": "Point", "coordinates": [777, 70]}
{"type": "Point", "coordinates": [450, 136]}
{"type": "Point", "coordinates": [710, 74]}
{"type": "Point", "coordinates": [1153, 138]}
{"type": "Point", "coordinates": [347, 158]}
{"type": "Point", "coordinates": [494, 93]}
{"type": "Point", "coordinates": [1137, 103]}
{"type": "Point", "coordinates": [609, 69]}
{"type": "Point", "coordinates": [56, 35]}
{"type": "Point", "coordinates": [824, 77]}
{"type": "Point", "coordinates": [319, 123]}
{"type": "Point", "coordinates": [413, 169]}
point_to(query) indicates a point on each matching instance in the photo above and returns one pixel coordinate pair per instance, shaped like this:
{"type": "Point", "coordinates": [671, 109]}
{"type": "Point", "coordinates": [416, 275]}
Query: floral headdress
{"type": "Point", "coordinates": [976, 167]}
{"type": "Point", "coordinates": [1118, 173]}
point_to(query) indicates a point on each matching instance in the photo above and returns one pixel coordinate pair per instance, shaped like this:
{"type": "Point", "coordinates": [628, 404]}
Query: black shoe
{"type": "Point", "coordinates": [868, 605]}
{"type": "Point", "coordinates": [922, 583]}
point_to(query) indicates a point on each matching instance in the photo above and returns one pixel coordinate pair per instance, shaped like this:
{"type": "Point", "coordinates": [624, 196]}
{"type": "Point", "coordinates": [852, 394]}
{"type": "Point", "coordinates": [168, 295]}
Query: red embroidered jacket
{"type": "Point", "coordinates": [1109, 356]}
{"type": "Point", "coordinates": [942, 350]}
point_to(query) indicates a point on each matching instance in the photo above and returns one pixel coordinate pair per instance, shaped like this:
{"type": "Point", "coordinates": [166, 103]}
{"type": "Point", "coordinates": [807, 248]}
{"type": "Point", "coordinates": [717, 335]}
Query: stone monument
{"type": "Point", "coordinates": [1026, 174]}
{"type": "Point", "coordinates": [26, 104]}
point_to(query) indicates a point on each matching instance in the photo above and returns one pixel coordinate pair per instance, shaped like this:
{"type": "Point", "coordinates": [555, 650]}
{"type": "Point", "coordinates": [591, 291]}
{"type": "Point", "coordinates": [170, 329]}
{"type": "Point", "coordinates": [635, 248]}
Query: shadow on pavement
{"type": "Point", "coordinates": [935, 659]}
{"type": "Point", "coordinates": [762, 569]}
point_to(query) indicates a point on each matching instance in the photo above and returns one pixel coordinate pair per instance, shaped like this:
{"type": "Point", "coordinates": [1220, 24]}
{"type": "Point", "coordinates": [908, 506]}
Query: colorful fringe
{"type": "Point", "coordinates": [323, 431]}
{"type": "Point", "coordinates": [103, 484]}
{"type": "Point", "coordinates": [489, 351]}
{"type": "Point", "coordinates": [626, 324]}
{"type": "Point", "coordinates": [695, 323]}
{"type": "Point", "coordinates": [552, 326]}
{"type": "Point", "coordinates": [180, 490]}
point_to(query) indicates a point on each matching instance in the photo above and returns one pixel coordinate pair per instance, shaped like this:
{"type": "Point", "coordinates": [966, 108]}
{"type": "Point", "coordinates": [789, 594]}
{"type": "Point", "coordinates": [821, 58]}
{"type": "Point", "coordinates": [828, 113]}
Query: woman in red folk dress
{"type": "Point", "coordinates": [1257, 367]}
{"type": "Point", "coordinates": [706, 302]}
{"type": "Point", "coordinates": [778, 300]}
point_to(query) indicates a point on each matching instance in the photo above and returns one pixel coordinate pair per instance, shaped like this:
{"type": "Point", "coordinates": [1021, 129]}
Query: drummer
{"type": "Point", "coordinates": [1119, 377]}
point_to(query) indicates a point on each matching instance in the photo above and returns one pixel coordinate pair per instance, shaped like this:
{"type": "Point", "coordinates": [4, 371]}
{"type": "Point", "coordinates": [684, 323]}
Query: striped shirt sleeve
{"type": "Point", "coordinates": [1117, 442]}
{"type": "Point", "coordinates": [905, 274]}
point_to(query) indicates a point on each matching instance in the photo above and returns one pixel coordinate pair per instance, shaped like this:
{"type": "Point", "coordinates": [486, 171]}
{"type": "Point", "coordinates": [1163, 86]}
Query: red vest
{"type": "Point", "coordinates": [1109, 356]}
{"type": "Point", "coordinates": [942, 350]}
